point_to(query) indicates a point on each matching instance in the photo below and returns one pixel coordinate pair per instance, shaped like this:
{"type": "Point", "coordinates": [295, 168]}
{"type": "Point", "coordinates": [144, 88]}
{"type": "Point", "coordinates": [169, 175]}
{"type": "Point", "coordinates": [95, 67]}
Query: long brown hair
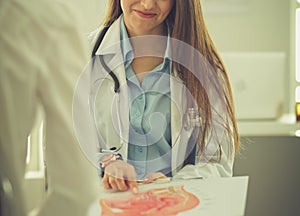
{"type": "Point", "coordinates": [187, 24]}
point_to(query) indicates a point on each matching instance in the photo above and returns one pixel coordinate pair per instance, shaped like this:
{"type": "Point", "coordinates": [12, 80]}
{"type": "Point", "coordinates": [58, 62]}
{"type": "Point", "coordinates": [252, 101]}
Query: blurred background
{"type": "Point", "coordinates": [258, 42]}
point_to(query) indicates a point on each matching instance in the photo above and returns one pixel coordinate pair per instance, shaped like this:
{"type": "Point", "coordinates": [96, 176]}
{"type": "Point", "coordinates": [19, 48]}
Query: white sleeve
{"type": "Point", "coordinates": [213, 168]}
{"type": "Point", "coordinates": [18, 77]}
{"type": "Point", "coordinates": [42, 55]}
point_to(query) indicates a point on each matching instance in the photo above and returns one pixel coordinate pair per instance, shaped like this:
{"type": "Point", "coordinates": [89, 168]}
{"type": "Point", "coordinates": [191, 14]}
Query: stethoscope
{"type": "Point", "coordinates": [193, 119]}
{"type": "Point", "coordinates": [113, 150]}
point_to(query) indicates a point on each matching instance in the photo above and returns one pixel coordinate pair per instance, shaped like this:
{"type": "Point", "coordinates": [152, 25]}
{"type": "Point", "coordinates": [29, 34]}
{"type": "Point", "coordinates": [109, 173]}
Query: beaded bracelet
{"type": "Point", "coordinates": [107, 159]}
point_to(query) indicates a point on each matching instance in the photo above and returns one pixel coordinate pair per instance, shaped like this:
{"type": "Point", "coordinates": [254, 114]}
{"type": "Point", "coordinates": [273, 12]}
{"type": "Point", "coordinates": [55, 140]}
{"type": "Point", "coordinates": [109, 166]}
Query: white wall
{"type": "Point", "coordinates": [259, 27]}
{"type": "Point", "coordinates": [264, 26]}
{"type": "Point", "coordinates": [92, 12]}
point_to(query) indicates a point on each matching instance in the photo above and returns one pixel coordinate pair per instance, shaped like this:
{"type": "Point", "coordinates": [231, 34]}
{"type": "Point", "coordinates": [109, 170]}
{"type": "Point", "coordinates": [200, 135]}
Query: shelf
{"type": "Point", "coordinates": [285, 126]}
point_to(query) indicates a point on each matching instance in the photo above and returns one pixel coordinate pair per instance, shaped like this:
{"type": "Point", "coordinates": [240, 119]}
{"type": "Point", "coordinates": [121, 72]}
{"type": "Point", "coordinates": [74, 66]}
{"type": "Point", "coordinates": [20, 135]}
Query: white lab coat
{"type": "Point", "coordinates": [42, 56]}
{"type": "Point", "coordinates": [105, 113]}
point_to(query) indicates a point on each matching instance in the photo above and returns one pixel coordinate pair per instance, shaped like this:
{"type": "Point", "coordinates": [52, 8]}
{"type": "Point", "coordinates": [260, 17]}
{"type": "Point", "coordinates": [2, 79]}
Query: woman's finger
{"type": "Point", "coordinates": [105, 182]}
{"type": "Point", "coordinates": [121, 184]}
{"type": "Point", "coordinates": [113, 183]}
{"type": "Point", "coordinates": [133, 186]}
{"type": "Point", "coordinates": [120, 176]}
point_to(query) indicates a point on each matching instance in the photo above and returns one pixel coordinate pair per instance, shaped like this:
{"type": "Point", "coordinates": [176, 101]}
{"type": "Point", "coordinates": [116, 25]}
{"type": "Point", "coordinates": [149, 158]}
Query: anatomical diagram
{"type": "Point", "coordinates": [159, 201]}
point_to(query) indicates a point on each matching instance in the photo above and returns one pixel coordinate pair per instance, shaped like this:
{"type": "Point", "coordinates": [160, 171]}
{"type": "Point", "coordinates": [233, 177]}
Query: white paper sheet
{"type": "Point", "coordinates": [218, 196]}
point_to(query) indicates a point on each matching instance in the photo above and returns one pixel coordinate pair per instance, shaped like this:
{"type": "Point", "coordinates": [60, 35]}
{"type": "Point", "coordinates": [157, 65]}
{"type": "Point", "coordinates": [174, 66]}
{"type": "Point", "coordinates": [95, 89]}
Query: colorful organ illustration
{"type": "Point", "coordinates": [159, 201]}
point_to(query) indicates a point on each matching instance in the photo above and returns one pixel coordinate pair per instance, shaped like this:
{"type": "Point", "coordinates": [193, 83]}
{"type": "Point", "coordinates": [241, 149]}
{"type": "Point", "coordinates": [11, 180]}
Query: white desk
{"type": "Point", "coordinates": [217, 196]}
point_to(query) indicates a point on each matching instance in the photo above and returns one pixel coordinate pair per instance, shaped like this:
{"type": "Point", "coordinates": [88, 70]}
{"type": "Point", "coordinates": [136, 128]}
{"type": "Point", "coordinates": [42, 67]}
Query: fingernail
{"type": "Point", "coordinates": [135, 190]}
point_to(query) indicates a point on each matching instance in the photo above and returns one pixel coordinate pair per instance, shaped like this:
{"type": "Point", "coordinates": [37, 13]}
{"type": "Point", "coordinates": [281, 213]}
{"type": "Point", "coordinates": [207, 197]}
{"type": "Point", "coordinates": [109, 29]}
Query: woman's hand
{"type": "Point", "coordinates": [120, 176]}
{"type": "Point", "coordinates": [153, 177]}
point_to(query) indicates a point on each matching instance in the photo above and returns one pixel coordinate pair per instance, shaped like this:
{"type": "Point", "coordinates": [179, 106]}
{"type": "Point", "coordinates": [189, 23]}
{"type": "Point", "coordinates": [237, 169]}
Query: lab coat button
{"type": "Point", "coordinates": [140, 149]}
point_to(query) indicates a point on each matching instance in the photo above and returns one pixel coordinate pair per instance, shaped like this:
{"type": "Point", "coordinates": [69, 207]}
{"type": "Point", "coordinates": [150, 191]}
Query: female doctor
{"type": "Point", "coordinates": [163, 105]}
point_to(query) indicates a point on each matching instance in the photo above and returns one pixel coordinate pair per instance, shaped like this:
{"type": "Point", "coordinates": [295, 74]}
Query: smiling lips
{"type": "Point", "coordinates": [146, 15]}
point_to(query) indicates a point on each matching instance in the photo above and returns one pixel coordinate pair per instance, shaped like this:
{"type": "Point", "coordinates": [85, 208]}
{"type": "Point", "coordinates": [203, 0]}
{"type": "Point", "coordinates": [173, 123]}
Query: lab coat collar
{"type": "Point", "coordinates": [110, 49]}
{"type": "Point", "coordinates": [111, 41]}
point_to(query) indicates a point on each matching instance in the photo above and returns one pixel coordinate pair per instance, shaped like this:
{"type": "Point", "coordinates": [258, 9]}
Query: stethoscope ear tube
{"type": "Point", "coordinates": [108, 70]}
{"type": "Point", "coordinates": [111, 73]}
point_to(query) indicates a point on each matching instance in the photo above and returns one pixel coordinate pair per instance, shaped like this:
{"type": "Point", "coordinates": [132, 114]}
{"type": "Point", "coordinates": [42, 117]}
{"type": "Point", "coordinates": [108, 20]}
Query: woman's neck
{"type": "Point", "coordinates": [162, 31]}
{"type": "Point", "coordinates": [152, 44]}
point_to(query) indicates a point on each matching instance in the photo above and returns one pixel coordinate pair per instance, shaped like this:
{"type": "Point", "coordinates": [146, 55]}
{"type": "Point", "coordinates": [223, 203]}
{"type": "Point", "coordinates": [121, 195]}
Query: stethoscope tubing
{"type": "Point", "coordinates": [116, 150]}
{"type": "Point", "coordinates": [116, 90]}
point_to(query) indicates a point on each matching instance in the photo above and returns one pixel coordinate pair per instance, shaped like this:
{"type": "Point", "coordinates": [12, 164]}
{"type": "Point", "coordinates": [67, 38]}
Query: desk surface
{"type": "Point", "coordinates": [216, 196]}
